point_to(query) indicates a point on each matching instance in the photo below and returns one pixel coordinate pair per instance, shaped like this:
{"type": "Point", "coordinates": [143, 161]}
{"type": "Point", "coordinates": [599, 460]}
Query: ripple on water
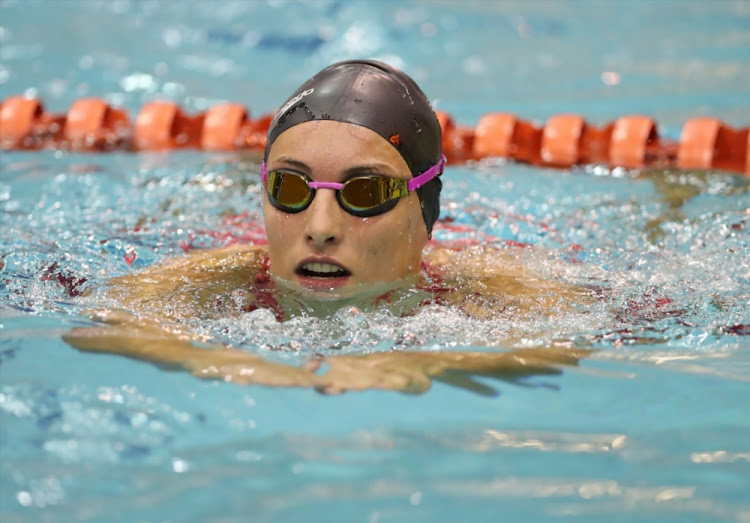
{"type": "Point", "coordinates": [669, 267]}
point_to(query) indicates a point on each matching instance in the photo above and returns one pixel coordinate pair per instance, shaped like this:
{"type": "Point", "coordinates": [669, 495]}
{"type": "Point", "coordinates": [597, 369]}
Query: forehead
{"type": "Point", "coordinates": [330, 144]}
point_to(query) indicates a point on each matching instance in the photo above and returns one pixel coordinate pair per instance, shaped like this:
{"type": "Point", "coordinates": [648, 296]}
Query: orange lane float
{"type": "Point", "coordinates": [707, 142]}
{"type": "Point", "coordinates": [222, 127]}
{"type": "Point", "coordinates": [92, 124]}
{"type": "Point", "coordinates": [564, 141]}
{"type": "Point", "coordinates": [493, 136]}
{"type": "Point", "coordinates": [18, 117]}
{"type": "Point", "coordinates": [25, 125]}
{"type": "Point", "coordinates": [163, 125]}
{"type": "Point", "coordinates": [561, 140]}
{"type": "Point", "coordinates": [630, 137]}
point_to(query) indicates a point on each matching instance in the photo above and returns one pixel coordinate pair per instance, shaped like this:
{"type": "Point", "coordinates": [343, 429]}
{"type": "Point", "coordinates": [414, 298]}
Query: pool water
{"type": "Point", "coordinates": [652, 427]}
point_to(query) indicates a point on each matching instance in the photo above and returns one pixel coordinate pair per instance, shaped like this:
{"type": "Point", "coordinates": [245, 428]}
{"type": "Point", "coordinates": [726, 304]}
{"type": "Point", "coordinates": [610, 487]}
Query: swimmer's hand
{"type": "Point", "coordinates": [413, 372]}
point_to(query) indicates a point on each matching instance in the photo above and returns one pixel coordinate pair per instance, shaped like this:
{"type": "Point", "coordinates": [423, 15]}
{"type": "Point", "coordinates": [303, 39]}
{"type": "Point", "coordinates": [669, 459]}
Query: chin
{"type": "Point", "coordinates": [329, 295]}
{"type": "Point", "coordinates": [331, 291]}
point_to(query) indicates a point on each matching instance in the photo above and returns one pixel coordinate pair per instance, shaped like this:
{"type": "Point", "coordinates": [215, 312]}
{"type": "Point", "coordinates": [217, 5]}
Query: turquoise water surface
{"type": "Point", "coordinates": [653, 427]}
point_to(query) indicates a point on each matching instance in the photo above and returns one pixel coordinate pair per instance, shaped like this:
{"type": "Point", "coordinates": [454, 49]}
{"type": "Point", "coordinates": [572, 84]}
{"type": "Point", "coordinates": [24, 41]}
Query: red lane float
{"type": "Point", "coordinates": [565, 140]}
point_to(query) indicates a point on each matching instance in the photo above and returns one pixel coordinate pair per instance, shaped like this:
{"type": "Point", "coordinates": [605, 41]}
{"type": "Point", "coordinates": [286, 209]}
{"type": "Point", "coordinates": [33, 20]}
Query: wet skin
{"type": "Point", "coordinates": [154, 307]}
{"type": "Point", "coordinates": [324, 249]}
{"type": "Point", "coordinates": [326, 254]}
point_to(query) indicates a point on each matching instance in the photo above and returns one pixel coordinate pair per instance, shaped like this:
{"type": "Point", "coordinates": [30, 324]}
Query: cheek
{"type": "Point", "coordinates": [373, 243]}
{"type": "Point", "coordinates": [270, 221]}
{"type": "Point", "coordinates": [397, 236]}
{"type": "Point", "coordinates": [276, 224]}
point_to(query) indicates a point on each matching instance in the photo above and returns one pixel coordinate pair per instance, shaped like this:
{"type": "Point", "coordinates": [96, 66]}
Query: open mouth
{"type": "Point", "coordinates": [322, 270]}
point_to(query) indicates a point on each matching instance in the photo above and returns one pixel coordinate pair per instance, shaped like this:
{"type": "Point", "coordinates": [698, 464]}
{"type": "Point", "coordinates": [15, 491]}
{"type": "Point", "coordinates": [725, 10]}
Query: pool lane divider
{"type": "Point", "coordinates": [565, 140]}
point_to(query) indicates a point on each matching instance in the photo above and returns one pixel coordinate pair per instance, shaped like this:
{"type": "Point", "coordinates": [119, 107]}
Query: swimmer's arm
{"type": "Point", "coordinates": [148, 341]}
{"type": "Point", "coordinates": [409, 372]}
{"type": "Point", "coordinates": [405, 371]}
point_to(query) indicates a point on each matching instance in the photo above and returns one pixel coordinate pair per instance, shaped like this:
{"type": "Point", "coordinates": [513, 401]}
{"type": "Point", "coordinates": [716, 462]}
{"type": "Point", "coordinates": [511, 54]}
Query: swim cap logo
{"type": "Point", "coordinates": [296, 99]}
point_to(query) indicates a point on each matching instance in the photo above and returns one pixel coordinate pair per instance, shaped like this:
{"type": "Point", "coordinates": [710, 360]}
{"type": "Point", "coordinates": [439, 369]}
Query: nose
{"type": "Point", "coordinates": [324, 225]}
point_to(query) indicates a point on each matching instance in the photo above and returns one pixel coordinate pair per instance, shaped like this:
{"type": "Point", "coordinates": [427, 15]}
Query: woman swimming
{"type": "Point", "coordinates": [351, 177]}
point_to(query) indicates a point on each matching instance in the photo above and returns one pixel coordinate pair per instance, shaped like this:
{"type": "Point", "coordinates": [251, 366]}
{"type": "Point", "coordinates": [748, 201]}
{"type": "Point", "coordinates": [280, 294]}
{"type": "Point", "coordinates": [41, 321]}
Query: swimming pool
{"type": "Point", "coordinates": [653, 427]}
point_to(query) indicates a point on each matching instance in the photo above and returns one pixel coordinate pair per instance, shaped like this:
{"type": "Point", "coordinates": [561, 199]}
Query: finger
{"type": "Point", "coordinates": [329, 390]}
{"type": "Point", "coordinates": [492, 364]}
{"type": "Point", "coordinates": [526, 368]}
{"type": "Point", "coordinates": [519, 382]}
{"type": "Point", "coordinates": [464, 381]}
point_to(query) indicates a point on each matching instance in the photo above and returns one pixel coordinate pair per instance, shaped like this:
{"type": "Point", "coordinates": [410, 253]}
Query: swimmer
{"type": "Point", "coordinates": [352, 179]}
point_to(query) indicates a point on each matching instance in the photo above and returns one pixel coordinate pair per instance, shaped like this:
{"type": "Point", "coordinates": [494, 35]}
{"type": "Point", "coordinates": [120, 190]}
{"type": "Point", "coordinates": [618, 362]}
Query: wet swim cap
{"type": "Point", "coordinates": [382, 98]}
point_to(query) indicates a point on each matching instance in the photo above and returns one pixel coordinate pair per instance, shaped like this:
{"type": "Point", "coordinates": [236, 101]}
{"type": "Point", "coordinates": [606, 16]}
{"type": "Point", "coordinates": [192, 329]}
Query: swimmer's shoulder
{"type": "Point", "coordinates": [475, 261]}
{"type": "Point", "coordinates": [190, 284]}
{"type": "Point", "coordinates": [223, 267]}
{"type": "Point", "coordinates": [486, 280]}
{"type": "Point", "coordinates": [223, 258]}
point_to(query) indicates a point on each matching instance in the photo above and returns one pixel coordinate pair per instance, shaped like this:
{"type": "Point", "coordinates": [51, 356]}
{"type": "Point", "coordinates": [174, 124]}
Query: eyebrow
{"type": "Point", "coordinates": [374, 167]}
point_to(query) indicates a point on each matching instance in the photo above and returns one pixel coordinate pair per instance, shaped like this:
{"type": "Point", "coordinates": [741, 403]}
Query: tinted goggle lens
{"type": "Point", "coordinates": [288, 191]}
{"type": "Point", "coordinates": [361, 196]}
{"type": "Point", "coordinates": [372, 193]}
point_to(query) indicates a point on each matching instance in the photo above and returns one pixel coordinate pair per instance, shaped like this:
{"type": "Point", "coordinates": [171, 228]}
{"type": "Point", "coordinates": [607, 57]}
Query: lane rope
{"type": "Point", "coordinates": [565, 140]}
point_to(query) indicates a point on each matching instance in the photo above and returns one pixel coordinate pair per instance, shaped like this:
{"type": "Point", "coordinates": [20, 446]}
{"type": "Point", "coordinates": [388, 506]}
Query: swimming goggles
{"type": "Point", "coordinates": [361, 195]}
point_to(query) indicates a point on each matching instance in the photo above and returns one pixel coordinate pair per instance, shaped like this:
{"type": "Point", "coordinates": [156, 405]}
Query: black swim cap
{"type": "Point", "coordinates": [382, 98]}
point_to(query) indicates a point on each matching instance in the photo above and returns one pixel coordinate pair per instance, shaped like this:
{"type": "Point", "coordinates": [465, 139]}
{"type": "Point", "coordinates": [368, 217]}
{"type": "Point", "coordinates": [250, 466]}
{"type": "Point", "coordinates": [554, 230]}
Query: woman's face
{"type": "Point", "coordinates": [324, 249]}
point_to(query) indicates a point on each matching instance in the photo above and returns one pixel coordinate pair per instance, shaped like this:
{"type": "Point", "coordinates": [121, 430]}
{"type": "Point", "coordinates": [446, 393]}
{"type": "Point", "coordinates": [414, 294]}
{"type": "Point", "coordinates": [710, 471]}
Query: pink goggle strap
{"type": "Point", "coordinates": [429, 174]}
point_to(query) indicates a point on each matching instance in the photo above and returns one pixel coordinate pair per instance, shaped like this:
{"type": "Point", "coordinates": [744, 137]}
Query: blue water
{"type": "Point", "coordinates": [653, 427]}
